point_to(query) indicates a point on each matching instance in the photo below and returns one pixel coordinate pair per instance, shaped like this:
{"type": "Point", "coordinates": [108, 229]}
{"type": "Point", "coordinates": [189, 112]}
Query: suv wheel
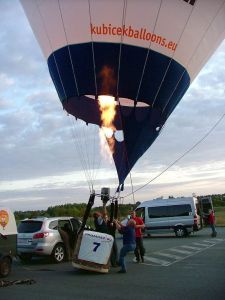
{"type": "Point", "coordinates": [5, 266]}
{"type": "Point", "coordinates": [180, 231]}
{"type": "Point", "coordinates": [58, 253]}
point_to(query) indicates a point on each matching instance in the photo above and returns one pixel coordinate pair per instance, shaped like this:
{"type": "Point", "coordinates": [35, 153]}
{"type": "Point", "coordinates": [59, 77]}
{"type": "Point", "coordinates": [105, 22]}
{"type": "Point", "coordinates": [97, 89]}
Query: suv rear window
{"type": "Point", "coordinates": [29, 226]}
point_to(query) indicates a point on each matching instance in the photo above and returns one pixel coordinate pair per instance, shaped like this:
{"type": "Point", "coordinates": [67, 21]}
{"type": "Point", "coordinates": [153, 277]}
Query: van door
{"type": "Point", "coordinates": [158, 221]}
{"type": "Point", "coordinates": [180, 215]}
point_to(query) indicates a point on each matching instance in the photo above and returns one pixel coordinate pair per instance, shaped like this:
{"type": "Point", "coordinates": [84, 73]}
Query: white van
{"type": "Point", "coordinates": [8, 240]}
{"type": "Point", "coordinates": [178, 215]}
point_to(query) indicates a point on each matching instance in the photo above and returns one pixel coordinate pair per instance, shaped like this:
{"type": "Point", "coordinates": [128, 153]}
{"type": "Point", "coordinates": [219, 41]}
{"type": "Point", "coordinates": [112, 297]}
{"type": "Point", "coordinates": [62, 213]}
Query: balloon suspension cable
{"type": "Point", "coordinates": [147, 56]}
{"type": "Point", "coordinates": [92, 47]}
{"type": "Point", "coordinates": [190, 60]}
{"type": "Point", "coordinates": [132, 187]}
{"type": "Point", "coordinates": [183, 155]}
{"type": "Point", "coordinates": [133, 192]}
{"type": "Point", "coordinates": [121, 186]}
{"type": "Point", "coordinates": [118, 79]}
{"type": "Point", "coordinates": [121, 43]}
{"type": "Point", "coordinates": [87, 161]}
{"type": "Point", "coordinates": [171, 58]}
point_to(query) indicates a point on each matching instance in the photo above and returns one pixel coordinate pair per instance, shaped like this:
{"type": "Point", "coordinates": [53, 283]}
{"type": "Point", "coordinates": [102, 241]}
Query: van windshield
{"type": "Point", "coordinates": [29, 226]}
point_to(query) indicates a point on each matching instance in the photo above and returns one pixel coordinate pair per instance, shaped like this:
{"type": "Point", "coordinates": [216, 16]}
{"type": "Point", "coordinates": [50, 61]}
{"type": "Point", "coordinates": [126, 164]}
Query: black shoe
{"type": "Point", "coordinates": [122, 271]}
{"type": "Point", "coordinates": [137, 260]}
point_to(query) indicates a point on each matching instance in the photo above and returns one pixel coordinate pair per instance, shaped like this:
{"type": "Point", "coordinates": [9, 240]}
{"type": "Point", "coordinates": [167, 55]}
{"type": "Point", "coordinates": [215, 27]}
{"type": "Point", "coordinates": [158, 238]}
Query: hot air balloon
{"type": "Point", "coordinates": [144, 54]}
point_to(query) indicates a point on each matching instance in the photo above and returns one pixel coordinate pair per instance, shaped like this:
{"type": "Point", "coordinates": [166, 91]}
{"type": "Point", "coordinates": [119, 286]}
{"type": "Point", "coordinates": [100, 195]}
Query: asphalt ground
{"type": "Point", "coordinates": [174, 268]}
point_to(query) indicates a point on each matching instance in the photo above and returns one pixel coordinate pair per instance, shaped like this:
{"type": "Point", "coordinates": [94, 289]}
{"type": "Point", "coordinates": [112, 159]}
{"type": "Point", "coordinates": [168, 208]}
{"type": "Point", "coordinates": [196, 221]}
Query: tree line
{"type": "Point", "coordinates": [74, 210]}
{"type": "Point", "coordinates": [78, 209]}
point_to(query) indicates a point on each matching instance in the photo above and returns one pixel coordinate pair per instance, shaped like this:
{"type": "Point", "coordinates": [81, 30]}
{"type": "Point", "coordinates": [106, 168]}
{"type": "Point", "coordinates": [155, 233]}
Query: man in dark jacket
{"type": "Point", "coordinates": [129, 242]}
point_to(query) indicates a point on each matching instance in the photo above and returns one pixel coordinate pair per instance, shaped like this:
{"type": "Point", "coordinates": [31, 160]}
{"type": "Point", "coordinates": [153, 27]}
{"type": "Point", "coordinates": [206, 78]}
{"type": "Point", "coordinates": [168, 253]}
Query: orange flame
{"type": "Point", "coordinates": [107, 105]}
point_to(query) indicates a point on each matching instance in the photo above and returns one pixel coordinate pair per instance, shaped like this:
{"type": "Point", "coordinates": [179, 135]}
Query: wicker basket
{"type": "Point", "coordinates": [92, 251]}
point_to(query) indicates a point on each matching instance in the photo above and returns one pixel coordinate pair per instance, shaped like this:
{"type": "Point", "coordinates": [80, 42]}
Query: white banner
{"type": "Point", "coordinates": [95, 247]}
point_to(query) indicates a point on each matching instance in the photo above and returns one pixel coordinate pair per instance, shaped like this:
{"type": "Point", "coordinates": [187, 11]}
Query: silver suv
{"type": "Point", "coordinates": [40, 236]}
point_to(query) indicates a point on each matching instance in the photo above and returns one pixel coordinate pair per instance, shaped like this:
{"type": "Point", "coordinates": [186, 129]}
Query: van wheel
{"type": "Point", "coordinates": [5, 267]}
{"type": "Point", "coordinates": [58, 253]}
{"type": "Point", "coordinates": [180, 231]}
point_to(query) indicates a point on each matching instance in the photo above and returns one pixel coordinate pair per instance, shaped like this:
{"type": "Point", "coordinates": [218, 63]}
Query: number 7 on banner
{"type": "Point", "coordinates": [96, 246]}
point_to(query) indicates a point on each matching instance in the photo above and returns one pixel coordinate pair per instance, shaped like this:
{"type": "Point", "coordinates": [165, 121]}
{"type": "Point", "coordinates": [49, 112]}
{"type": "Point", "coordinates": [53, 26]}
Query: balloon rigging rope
{"type": "Point", "coordinates": [148, 51]}
{"type": "Point", "coordinates": [61, 81]}
{"type": "Point", "coordinates": [190, 60]}
{"type": "Point", "coordinates": [55, 61]}
{"type": "Point", "coordinates": [146, 59]}
{"type": "Point", "coordinates": [139, 87]}
{"type": "Point", "coordinates": [170, 61]}
{"type": "Point", "coordinates": [50, 44]}
{"type": "Point", "coordinates": [79, 149]}
{"type": "Point", "coordinates": [68, 47]}
{"type": "Point", "coordinates": [97, 166]}
{"type": "Point", "coordinates": [121, 44]}
{"type": "Point", "coordinates": [183, 155]}
{"type": "Point", "coordinates": [118, 78]}
{"type": "Point", "coordinates": [87, 165]}
{"type": "Point", "coordinates": [84, 157]}
{"type": "Point", "coordinates": [145, 63]}
{"type": "Point", "coordinates": [92, 46]}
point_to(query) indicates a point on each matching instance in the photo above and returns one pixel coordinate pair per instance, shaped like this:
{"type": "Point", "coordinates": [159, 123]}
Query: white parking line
{"type": "Point", "coordinates": [210, 242]}
{"type": "Point", "coordinates": [170, 255]}
{"type": "Point", "coordinates": [191, 248]}
{"type": "Point", "coordinates": [219, 240]}
{"type": "Point", "coordinates": [154, 261]}
{"type": "Point", "coordinates": [203, 245]}
{"type": "Point", "coordinates": [157, 261]}
{"type": "Point", "coordinates": [180, 251]}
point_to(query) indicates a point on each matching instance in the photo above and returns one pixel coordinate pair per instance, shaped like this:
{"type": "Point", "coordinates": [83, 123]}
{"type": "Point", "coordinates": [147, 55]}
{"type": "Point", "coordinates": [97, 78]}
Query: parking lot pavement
{"type": "Point", "coordinates": [173, 255]}
{"type": "Point", "coordinates": [196, 271]}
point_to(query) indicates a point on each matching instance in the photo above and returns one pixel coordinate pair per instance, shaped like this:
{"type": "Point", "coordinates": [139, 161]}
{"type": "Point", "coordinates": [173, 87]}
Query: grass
{"type": "Point", "coordinates": [220, 215]}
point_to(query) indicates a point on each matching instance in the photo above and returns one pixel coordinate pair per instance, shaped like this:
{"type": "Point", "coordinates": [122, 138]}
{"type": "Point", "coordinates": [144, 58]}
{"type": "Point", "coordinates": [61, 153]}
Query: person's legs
{"type": "Point", "coordinates": [142, 249]}
{"type": "Point", "coordinates": [124, 250]}
{"type": "Point", "coordinates": [114, 255]}
{"type": "Point", "coordinates": [214, 233]}
{"type": "Point", "coordinates": [136, 251]}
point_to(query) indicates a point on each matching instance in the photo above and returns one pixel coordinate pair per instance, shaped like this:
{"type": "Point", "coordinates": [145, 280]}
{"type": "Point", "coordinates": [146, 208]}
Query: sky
{"type": "Point", "coordinates": [40, 163]}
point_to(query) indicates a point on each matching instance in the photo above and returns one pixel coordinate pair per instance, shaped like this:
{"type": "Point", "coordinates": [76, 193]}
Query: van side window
{"type": "Point", "coordinates": [157, 212]}
{"type": "Point", "coordinates": [179, 210]}
{"type": "Point", "coordinates": [169, 211]}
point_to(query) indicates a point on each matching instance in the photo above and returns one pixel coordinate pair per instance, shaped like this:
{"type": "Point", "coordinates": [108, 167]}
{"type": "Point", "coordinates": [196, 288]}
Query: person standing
{"type": "Point", "coordinates": [211, 221]}
{"type": "Point", "coordinates": [102, 224]}
{"type": "Point", "coordinates": [139, 250]}
{"type": "Point", "coordinates": [100, 220]}
{"type": "Point", "coordinates": [129, 243]}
